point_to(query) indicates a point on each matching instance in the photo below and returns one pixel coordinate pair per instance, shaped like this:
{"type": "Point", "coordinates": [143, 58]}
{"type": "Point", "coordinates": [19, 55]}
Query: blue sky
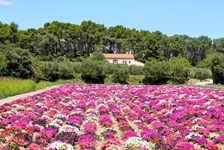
{"type": "Point", "coordinates": [191, 17]}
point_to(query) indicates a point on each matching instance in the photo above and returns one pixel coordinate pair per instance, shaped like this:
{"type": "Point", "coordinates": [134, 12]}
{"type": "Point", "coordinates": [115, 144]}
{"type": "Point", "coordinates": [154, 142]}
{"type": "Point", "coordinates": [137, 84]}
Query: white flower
{"type": "Point", "coordinates": [60, 146]}
{"type": "Point", "coordinates": [46, 117]}
{"type": "Point", "coordinates": [195, 127]}
{"type": "Point", "coordinates": [40, 104]}
{"type": "Point", "coordinates": [136, 142]}
{"type": "Point", "coordinates": [191, 135]}
{"type": "Point", "coordinates": [161, 102]}
{"type": "Point", "coordinates": [19, 106]}
{"type": "Point", "coordinates": [213, 135]}
{"type": "Point", "coordinates": [57, 121]}
{"type": "Point", "coordinates": [100, 105]}
{"type": "Point", "coordinates": [61, 116]}
{"type": "Point", "coordinates": [103, 130]}
{"type": "Point", "coordinates": [137, 121]}
{"type": "Point", "coordinates": [90, 119]}
{"type": "Point", "coordinates": [110, 100]}
{"type": "Point", "coordinates": [69, 128]}
{"type": "Point", "coordinates": [53, 124]}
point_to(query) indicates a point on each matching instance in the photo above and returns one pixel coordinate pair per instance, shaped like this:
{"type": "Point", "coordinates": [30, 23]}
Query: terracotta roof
{"type": "Point", "coordinates": [121, 56]}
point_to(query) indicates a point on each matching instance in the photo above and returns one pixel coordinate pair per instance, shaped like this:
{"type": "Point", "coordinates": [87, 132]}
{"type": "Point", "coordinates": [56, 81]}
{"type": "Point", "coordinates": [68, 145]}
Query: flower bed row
{"type": "Point", "coordinates": [115, 117]}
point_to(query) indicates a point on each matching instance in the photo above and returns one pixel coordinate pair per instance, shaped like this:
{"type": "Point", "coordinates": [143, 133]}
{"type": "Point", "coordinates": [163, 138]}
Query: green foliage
{"type": "Point", "coordinates": [65, 71]}
{"type": "Point", "coordinates": [14, 86]}
{"type": "Point", "coordinates": [2, 64]}
{"type": "Point", "coordinates": [207, 62]}
{"type": "Point", "coordinates": [109, 68]}
{"type": "Point", "coordinates": [120, 74]}
{"type": "Point", "coordinates": [57, 39]}
{"type": "Point", "coordinates": [179, 69]}
{"type": "Point", "coordinates": [135, 79]}
{"type": "Point", "coordinates": [53, 71]}
{"type": "Point", "coordinates": [156, 72]}
{"type": "Point", "coordinates": [200, 73]}
{"type": "Point", "coordinates": [10, 86]}
{"type": "Point", "coordinates": [13, 145]}
{"type": "Point", "coordinates": [97, 56]}
{"type": "Point", "coordinates": [36, 68]}
{"type": "Point", "coordinates": [136, 70]}
{"type": "Point", "coordinates": [92, 71]}
{"type": "Point", "coordinates": [78, 59]}
{"type": "Point", "coordinates": [19, 63]}
{"type": "Point", "coordinates": [218, 69]}
{"type": "Point", "coordinates": [50, 71]}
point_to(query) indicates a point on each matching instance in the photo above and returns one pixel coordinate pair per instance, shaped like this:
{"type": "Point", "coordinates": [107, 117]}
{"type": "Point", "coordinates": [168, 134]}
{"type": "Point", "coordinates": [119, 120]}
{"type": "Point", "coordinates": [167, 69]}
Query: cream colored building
{"type": "Point", "coordinates": [122, 59]}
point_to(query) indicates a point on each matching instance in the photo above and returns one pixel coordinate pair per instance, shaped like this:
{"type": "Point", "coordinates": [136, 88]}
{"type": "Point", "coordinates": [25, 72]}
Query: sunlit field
{"type": "Point", "coordinates": [105, 117]}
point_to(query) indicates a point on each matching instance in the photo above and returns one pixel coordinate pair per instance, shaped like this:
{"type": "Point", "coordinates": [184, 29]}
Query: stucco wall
{"type": "Point", "coordinates": [121, 61]}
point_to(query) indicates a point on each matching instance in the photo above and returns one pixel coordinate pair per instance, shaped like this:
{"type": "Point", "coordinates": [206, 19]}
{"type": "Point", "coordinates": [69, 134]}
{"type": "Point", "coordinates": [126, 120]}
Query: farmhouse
{"type": "Point", "coordinates": [122, 59]}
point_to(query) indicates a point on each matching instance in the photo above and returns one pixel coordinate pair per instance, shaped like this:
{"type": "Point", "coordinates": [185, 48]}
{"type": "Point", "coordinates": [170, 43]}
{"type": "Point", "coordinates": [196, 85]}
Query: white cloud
{"type": "Point", "coordinates": [4, 2]}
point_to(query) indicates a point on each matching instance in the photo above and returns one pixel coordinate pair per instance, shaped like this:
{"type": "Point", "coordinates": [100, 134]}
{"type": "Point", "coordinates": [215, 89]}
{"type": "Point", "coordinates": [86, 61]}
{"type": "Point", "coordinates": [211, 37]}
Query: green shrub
{"type": "Point", "coordinates": [2, 64]}
{"type": "Point", "coordinates": [92, 71]}
{"type": "Point", "coordinates": [109, 68]}
{"type": "Point", "coordinates": [200, 73]}
{"type": "Point", "coordinates": [156, 72]}
{"type": "Point", "coordinates": [218, 69]}
{"type": "Point", "coordinates": [50, 71]}
{"type": "Point", "coordinates": [205, 63]}
{"type": "Point", "coordinates": [136, 70]}
{"type": "Point", "coordinates": [19, 63]}
{"type": "Point", "coordinates": [75, 66]}
{"type": "Point", "coordinates": [65, 71]}
{"type": "Point", "coordinates": [97, 56]}
{"type": "Point", "coordinates": [179, 70]}
{"type": "Point", "coordinates": [120, 74]}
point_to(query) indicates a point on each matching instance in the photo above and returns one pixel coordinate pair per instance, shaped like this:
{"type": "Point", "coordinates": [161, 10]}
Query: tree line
{"type": "Point", "coordinates": [58, 39]}
{"type": "Point", "coordinates": [21, 51]}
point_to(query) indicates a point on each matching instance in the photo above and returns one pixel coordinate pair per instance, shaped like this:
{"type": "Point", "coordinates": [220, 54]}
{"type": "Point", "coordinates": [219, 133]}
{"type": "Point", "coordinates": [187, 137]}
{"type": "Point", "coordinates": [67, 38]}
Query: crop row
{"type": "Point", "coordinates": [115, 117]}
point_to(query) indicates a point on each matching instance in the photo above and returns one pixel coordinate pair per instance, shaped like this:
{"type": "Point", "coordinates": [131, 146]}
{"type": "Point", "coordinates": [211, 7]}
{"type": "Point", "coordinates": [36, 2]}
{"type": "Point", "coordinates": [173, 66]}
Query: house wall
{"type": "Point", "coordinates": [121, 61]}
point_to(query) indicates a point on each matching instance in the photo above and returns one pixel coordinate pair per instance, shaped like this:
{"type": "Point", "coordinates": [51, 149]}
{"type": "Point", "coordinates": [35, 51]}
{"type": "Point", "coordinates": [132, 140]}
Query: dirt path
{"type": "Point", "coordinates": [12, 98]}
{"type": "Point", "coordinates": [209, 82]}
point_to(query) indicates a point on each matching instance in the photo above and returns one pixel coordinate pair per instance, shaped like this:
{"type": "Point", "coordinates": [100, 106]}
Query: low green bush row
{"type": "Point", "coordinates": [200, 73]}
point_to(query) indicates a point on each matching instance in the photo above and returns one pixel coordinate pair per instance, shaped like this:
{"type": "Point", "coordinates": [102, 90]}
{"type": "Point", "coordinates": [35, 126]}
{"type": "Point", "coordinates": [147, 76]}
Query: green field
{"type": "Point", "coordinates": [13, 86]}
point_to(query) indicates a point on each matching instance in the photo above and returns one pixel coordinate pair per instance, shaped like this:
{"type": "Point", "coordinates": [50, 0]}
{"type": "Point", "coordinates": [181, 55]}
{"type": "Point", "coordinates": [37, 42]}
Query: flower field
{"type": "Point", "coordinates": [104, 117]}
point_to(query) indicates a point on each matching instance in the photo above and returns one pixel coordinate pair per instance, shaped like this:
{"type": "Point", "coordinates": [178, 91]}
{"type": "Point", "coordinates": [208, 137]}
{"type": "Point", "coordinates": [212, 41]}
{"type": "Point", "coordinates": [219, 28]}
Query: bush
{"type": "Point", "coordinates": [97, 56]}
{"type": "Point", "coordinates": [207, 62]}
{"type": "Point", "coordinates": [120, 74]}
{"type": "Point", "coordinates": [75, 66]}
{"type": "Point", "coordinates": [156, 72]}
{"type": "Point", "coordinates": [109, 68]}
{"type": "Point", "coordinates": [2, 64]}
{"type": "Point", "coordinates": [200, 73]}
{"type": "Point", "coordinates": [65, 71]}
{"type": "Point", "coordinates": [92, 71]}
{"type": "Point", "coordinates": [19, 63]}
{"type": "Point", "coordinates": [50, 71]}
{"type": "Point", "coordinates": [37, 73]}
{"type": "Point", "coordinates": [218, 69]}
{"type": "Point", "coordinates": [136, 70]}
{"type": "Point", "coordinates": [179, 70]}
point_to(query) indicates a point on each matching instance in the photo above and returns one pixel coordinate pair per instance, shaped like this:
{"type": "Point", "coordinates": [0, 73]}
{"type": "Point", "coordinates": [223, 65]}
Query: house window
{"type": "Point", "coordinates": [115, 61]}
{"type": "Point", "coordinates": [129, 61]}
